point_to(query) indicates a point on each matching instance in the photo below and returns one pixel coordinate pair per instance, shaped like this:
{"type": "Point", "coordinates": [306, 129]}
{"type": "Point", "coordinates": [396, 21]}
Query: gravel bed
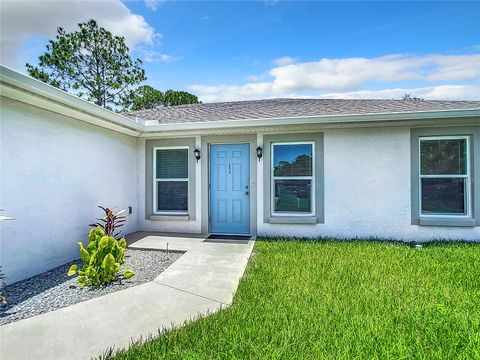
{"type": "Point", "coordinates": [53, 289]}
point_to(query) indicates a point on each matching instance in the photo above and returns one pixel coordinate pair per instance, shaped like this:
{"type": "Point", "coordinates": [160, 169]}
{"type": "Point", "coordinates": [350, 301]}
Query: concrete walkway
{"type": "Point", "coordinates": [201, 282]}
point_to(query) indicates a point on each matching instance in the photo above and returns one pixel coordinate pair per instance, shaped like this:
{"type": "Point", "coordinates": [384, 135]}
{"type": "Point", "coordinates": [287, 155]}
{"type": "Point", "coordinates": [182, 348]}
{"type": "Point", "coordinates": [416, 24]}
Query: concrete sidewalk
{"type": "Point", "coordinates": [201, 282]}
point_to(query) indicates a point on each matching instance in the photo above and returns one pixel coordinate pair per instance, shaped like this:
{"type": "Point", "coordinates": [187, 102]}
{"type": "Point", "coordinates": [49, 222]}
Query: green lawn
{"type": "Point", "coordinates": [340, 300]}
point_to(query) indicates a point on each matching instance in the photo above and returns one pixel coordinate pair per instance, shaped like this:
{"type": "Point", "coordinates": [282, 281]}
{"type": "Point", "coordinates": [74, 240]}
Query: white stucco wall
{"type": "Point", "coordinates": [54, 172]}
{"type": "Point", "coordinates": [367, 190]}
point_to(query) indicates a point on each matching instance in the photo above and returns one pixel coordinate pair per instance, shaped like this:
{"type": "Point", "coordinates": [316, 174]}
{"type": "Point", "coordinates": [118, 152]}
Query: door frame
{"type": "Point", "coordinates": [205, 193]}
{"type": "Point", "coordinates": [210, 189]}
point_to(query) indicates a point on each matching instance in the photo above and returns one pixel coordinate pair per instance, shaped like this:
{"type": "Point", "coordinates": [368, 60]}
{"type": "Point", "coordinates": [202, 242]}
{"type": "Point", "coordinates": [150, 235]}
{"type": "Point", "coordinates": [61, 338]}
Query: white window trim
{"type": "Point", "coordinates": [467, 177]}
{"type": "Point", "coordinates": [273, 178]}
{"type": "Point", "coordinates": [155, 180]}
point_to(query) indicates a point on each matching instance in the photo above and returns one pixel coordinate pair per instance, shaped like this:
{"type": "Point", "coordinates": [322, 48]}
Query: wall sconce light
{"type": "Point", "coordinates": [259, 153]}
{"type": "Point", "coordinates": [196, 153]}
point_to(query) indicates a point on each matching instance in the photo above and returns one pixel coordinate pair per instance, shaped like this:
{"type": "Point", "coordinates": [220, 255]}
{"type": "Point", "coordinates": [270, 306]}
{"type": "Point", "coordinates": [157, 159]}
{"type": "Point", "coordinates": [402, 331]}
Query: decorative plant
{"type": "Point", "coordinates": [111, 221]}
{"type": "Point", "coordinates": [101, 259]}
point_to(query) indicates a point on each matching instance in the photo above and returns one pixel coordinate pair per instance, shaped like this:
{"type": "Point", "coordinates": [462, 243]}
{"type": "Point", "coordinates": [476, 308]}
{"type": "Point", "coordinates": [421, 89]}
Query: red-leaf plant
{"type": "Point", "coordinates": [111, 221]}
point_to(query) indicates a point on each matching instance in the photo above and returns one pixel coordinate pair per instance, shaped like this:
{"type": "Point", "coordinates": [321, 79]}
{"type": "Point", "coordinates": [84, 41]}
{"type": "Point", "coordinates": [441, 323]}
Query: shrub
{"type": "Point", "coordinates": [111, 221]}
{"type": "Point", "coordinates": [101, 259]}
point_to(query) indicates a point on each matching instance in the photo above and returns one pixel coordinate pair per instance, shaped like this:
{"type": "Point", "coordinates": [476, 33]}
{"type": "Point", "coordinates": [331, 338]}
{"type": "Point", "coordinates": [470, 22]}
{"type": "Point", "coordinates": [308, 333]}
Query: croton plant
{"type": "Point", "coordinates": [104, 253]}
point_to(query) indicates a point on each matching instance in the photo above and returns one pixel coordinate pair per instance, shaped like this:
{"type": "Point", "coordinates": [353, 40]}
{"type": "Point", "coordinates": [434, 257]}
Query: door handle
{"type": "Point", "coordinates": [246, 193]}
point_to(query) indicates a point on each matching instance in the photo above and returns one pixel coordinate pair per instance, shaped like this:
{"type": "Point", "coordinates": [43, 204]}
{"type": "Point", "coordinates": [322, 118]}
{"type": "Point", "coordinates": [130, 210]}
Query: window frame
{"type": "Point", "coordinates": [312, 179]}
{"type": "Point", "coordinates": [466, 177]}
{"type": "Point", "coordinates": [155, 180]}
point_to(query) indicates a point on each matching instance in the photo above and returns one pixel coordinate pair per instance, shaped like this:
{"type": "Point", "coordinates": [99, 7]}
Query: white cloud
{"type": "Point", "coordinates": [455, 67]}
{"type": "Point", "coordinates": [352, 73]}
{"type": "Point", "coordinates": [150, 56]}
{"type": "Point", "coordinates": [349, 76]}
{"type": "Point", "coordinates": [22, 20]}
{"type": "Point", "coordinates": [441, 92]}
{"type": "Point", "coordinates": [251, 92]}
{"type": "Point", "coordinates": [286, 60]}
{"type": "Point", "coordinates": [154, 4]}
{"type": "Point", "coordinates": [232, 92]}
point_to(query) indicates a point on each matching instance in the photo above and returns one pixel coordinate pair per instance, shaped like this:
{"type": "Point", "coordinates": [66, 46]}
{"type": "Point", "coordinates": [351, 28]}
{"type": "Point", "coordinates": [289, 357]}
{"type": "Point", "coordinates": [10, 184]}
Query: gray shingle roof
{"type": "Point", "coordinates": [281, 108]}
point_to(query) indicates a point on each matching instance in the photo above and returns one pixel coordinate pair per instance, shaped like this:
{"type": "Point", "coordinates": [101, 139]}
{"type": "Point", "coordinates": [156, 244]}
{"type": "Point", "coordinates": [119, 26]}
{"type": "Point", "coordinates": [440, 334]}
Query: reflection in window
{"type": "Point", "coordinates": [443, 156]}
{"type": "Point", "coordinates": [444, 176]}
{"type": "Point", "coordinates": [293, 178]}
{"type": "Point", "coordinates": [293, 196]}
{"type": "Point", "coordinates": [292, 160]}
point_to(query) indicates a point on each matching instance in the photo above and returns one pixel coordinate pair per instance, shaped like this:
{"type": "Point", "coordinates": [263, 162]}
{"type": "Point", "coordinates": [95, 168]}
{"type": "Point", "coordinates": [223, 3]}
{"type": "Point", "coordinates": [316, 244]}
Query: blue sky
{"type": "Point", "coordinates": [260, 49]}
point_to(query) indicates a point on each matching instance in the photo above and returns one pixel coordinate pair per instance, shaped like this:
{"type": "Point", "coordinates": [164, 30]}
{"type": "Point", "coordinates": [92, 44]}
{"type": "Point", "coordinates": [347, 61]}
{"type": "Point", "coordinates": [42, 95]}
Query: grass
{"type": "Point", "coordinates": [338, 300]}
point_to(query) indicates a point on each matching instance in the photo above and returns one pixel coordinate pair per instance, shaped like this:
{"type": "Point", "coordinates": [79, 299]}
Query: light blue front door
{"type": "Point", "coordinates": [230, 189]}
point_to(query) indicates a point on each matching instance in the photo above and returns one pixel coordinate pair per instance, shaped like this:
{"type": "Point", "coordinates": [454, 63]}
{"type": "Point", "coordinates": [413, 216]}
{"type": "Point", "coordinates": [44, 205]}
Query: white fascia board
{"type": "Point", "coordinates": [23, 88]}
{"type": "Point", "coordinates": [330, 119]}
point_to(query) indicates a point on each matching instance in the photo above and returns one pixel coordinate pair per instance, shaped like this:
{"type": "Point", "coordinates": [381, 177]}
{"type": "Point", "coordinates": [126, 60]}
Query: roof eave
{"type": "Point", "coordinates": [25, 89]}
{"type": "Point", "coordinates": [305, 120]}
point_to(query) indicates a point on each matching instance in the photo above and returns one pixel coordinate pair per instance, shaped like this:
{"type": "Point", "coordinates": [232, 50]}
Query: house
{"type": "Point", "coordinates": [392, 169]}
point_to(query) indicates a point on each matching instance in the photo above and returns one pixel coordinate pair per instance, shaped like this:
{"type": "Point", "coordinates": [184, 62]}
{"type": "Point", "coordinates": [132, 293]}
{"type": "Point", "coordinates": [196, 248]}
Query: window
{"type": "Point", "coordinates": [293, 183]}
{"type": "Point", "coordinates": [293, 178]}
{"type": "Point", "coordinates": [444, 176]}
{"type": "Point", "coordinates": [171, 180]}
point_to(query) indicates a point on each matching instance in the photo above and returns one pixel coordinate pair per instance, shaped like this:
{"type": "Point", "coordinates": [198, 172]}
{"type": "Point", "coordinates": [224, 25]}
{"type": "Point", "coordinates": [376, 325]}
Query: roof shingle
{"type": "Point", "coordinates": [284, 108]}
